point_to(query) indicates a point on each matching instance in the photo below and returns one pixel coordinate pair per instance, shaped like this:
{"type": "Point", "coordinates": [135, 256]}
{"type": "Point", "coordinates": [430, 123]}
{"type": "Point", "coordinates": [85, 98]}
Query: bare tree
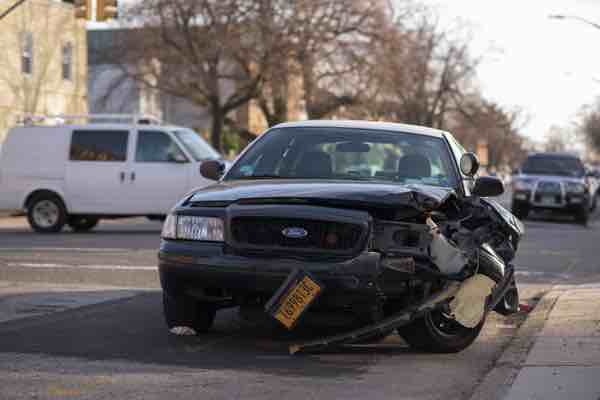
{"type": "Point", "coordinates": [210, 52]}
{"type": "Point", "coordinates": [423, 73]}
{"type": "Point", "coordinates": [590, 125]}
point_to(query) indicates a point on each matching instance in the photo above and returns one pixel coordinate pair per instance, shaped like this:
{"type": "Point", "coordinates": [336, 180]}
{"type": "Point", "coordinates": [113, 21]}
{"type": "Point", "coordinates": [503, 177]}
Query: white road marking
{"type": "Point", "coordinates": [65, 266]}
{"type": "Point", "coordinates": [67, 249]}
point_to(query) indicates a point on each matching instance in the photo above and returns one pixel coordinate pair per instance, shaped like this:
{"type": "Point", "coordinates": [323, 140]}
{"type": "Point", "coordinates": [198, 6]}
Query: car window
{"type": "Point", "coordinates": [154, 146]}
{"type": "Point", "coordinates": [99, 145]}
{"type": "Point", "coordinates": [196, 146]}
{"type": "Point", "coordinates": [351, 154]}
{"type": "Point", "coordinates": [550, 165]}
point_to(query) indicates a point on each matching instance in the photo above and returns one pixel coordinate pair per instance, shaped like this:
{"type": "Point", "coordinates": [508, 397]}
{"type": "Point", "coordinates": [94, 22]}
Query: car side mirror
{"type": "Point", "coordinates": [469, 164]}
{"type": "Point", "coordinates": [212, 169]}
{"type": "Point", "coordinates": [488, 186]}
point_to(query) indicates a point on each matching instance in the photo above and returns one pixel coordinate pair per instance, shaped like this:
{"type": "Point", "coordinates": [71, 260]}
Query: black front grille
{"type": "Point", "coordinates": [268, 232]}
{"type": "Point", "coordinates": [546, 187]}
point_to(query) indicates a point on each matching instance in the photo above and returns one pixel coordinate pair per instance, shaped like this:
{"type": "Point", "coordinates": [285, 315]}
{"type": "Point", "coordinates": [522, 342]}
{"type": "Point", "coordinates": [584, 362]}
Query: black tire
{"type": "Point", "coordinates": [426, 334]}
{"type": "Point", "coordinates": [520, 211]}
{"type": "Point", "coordinates": [583, 216]}
{"type": "Point", "coordinates": [186, 311]}
{"type": "Point", "coordinates": [46, 213]}
{"type": "Point", "coordinates": [594, 203]}
{"type": "Point", "coordinates": [81, 223]}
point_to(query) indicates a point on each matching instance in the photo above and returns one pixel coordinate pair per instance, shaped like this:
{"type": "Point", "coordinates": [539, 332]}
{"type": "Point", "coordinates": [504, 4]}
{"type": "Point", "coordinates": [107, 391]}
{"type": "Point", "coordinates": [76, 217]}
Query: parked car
{"type": "Point", "coordinates": [409, 242]}
{"type": "Point", "coordinates": [555, 182]}
{"type": "Point", "coordinates": [78, 174]}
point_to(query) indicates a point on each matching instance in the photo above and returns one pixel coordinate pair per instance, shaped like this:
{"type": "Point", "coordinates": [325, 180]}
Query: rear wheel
{"type": "Point", "coordinates": [583, 216]}
{"type": "Point", "coordinates": [82, 223]}
{"type": "Point", "coordinates": [436, 333]}
{"type": "Point", "coordinates": [46, 213]}
{"type": "Point", "coordinates": [186, 311]}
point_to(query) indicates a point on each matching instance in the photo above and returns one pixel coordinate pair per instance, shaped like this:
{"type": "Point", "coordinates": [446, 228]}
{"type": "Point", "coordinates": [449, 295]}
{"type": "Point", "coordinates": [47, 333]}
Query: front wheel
{"type": "Point", "coordinates": [436, 333]}
{"type": "Point", "coordinates": [46, 213]}
{"type": "Point", "coordinates": [188, 312]}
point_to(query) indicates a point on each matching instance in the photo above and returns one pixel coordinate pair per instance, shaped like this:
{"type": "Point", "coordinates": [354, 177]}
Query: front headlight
{"type": "Point", "coordinates": [186, 227]}
{"type": "Point", "coordinates": [169, 230]}
{"type": "Point", "coordinates": [575, 187]}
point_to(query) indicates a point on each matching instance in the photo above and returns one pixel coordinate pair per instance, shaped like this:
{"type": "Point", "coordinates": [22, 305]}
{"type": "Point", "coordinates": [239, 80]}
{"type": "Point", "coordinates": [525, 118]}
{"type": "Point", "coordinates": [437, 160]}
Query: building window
{"type": "Point", "coordinates": [67, 61]}
{"type": "Point", "coordinates": [27, 54]}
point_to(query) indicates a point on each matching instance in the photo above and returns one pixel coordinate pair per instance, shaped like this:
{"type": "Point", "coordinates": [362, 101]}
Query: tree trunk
{"type": "Point", "coordinates": [217, 128]}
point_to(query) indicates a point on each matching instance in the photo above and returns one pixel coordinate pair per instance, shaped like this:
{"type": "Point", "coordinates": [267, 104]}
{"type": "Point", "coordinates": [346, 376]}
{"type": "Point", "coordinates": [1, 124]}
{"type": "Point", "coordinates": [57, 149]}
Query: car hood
{"type": "Point", "coordinates": [377, 194]}
{"type": "Point", "coordinates": [552, 178]}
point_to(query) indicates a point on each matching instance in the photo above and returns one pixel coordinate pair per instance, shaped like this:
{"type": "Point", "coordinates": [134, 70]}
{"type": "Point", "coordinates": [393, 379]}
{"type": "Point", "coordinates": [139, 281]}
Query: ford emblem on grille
{"type": "Point", "coordinates": [295, 232]}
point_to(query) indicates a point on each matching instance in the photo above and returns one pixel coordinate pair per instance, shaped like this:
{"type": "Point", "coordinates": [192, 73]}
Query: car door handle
{"type": "Point", "coordinates": [133, 176]}
{"type": "Point", "coordinates": [122, 176]}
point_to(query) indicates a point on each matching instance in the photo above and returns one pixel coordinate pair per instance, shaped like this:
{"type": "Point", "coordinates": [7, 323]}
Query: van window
{"type": "Point", "coordinates": [99, 146]}
{"type": "Point", "coordinates": [153, 146]}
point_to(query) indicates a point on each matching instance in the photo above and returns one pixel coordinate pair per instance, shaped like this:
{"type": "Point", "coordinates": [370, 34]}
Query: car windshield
{"type": "Point", "coordinates": [347, 154]}
{"type": "Point", "coordinates": [561, 166]}
{"type": "Point", "coordinates": [196, 146]}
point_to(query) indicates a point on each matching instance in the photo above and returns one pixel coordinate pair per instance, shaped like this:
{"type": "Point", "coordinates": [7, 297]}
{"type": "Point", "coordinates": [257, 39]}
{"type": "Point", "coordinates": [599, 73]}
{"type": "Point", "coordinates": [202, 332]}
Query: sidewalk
{"type": "Point", "coordinates": [564, 362]}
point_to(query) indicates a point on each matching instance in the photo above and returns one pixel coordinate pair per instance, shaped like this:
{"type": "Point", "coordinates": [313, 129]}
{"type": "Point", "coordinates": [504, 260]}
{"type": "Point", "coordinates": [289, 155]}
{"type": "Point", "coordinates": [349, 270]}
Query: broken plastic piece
{"type": "Point", "coordinates": [468, 305]}
{"type": "Point", "coordinates": [448, 258]}
{"type": "Point", "coordinates": [523, 307]}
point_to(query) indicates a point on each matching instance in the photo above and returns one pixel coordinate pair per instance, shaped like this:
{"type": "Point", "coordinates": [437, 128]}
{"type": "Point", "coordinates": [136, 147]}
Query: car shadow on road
{"type": "Point", "coordinates": [133, 330]}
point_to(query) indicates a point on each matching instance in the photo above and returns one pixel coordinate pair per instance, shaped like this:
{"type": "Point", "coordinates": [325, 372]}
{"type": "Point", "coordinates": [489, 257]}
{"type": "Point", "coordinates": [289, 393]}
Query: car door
{"type": "Point", "coordinates": [160, 172]}
{"type": "Point", "coordinates": [96, 171]}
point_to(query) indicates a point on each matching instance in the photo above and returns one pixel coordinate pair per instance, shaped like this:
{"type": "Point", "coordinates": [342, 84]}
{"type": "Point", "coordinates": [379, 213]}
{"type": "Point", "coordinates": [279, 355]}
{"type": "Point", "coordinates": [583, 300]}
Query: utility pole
{"type": "Point", "coordinates": [12, 8]}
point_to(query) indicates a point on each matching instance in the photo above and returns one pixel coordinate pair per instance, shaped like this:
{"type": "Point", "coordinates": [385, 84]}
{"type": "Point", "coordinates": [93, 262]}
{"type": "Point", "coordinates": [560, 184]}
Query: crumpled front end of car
{"type": "Point", "coordinates": [388, 257]}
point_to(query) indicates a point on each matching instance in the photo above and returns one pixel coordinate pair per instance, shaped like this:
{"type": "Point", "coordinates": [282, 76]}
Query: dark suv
{"type": "Point", "coordinates": [555, 182]}
{"type": "Point", "coordinates": [386, 224]}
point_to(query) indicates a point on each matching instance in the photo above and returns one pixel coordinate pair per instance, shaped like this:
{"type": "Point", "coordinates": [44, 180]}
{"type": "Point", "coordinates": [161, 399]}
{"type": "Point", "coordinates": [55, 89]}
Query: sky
{"type": "Point", "coordinates": [549, 67]}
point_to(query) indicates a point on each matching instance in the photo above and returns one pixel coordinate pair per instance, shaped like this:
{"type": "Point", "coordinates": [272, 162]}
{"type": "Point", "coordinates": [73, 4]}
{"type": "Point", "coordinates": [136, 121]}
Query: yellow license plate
{"type": "Point", "coordinates": [296, 301]}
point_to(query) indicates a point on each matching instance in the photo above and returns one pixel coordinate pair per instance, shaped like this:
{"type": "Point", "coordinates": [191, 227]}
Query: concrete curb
{"type": "Point", "coordinates": [497, 382]}
{"type": "Point", "coordinates": [121, 277]}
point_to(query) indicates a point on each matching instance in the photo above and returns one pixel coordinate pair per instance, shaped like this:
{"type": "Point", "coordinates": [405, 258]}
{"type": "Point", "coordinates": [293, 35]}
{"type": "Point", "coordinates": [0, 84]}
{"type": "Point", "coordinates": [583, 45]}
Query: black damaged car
{"type": "Point", "coordinates": [385, 223]}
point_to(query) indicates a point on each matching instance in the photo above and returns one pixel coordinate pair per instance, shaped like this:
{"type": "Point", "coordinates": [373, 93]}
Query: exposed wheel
{"type": "Point", "coordinates": [520, 211]}
{"type": "Point", "coordinates": [46, 213]}
{"type": "Point", "coordinates": [81, 223]}
{"type": "Point", "coordinates": [186, 311]}
{"type": "Point", "coordinates": [436, 333]}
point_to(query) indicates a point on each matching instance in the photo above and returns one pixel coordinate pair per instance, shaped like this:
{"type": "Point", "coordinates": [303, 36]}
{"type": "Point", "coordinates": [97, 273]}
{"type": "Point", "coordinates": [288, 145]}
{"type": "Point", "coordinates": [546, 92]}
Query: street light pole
{"type": "Point", "coordinates": [587, 21]}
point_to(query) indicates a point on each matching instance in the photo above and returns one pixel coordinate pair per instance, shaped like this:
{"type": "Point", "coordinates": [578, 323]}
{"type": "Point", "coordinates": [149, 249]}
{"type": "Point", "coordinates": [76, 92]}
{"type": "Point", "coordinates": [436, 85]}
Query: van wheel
{"type": "Point", "coordinates": [81, 223]}
{"type": "Point", "coordinates": [46, 213]}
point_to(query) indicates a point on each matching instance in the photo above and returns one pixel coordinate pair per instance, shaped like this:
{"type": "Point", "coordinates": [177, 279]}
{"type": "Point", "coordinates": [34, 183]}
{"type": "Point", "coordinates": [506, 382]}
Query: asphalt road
{"type": "Point", "coordinates": [78, 342]}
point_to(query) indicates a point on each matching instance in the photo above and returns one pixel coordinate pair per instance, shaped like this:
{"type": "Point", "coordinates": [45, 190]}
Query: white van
{"type": "Point", "coordinates": [78, 174]}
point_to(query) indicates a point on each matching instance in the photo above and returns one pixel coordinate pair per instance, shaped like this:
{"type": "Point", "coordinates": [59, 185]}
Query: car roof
{"type": "Point", "coordinates": [109, 126]}
{"type": "Point", "coordinates": [550, 154]}
{"type": "Point", "coordinates": [371, 125]}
